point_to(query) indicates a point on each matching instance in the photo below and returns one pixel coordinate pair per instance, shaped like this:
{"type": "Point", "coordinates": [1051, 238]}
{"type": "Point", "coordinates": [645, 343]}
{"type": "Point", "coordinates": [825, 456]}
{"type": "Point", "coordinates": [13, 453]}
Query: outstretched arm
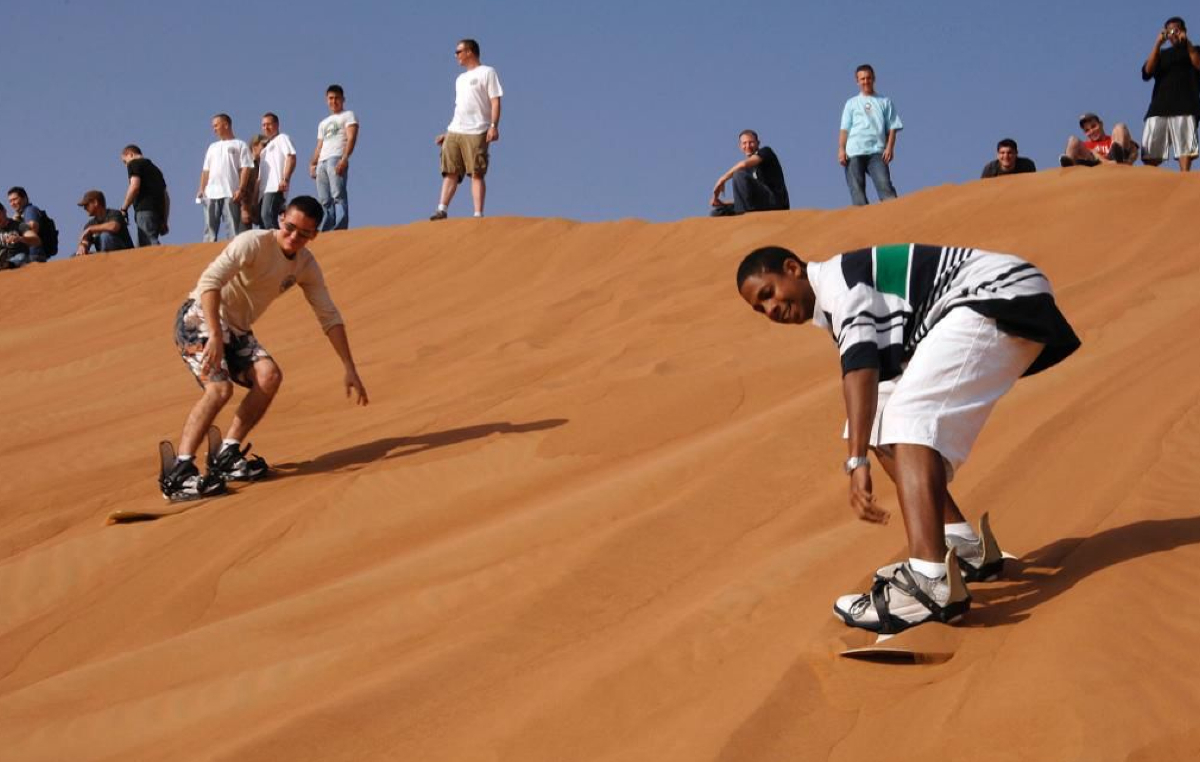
{"type": "Point", "coordinates": [341, 345]}
{"type": "Point", "coordinates": [861, 390]}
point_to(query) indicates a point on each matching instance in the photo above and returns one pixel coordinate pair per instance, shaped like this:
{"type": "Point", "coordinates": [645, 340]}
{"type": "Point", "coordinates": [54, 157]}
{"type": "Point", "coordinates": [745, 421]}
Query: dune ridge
{"type": "Point", "coordinates": [594, 510]}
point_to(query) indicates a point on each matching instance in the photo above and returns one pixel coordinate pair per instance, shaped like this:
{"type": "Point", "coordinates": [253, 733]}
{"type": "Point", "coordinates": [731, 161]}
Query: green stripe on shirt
{"type": "Point", "coordinates": [891, 269]}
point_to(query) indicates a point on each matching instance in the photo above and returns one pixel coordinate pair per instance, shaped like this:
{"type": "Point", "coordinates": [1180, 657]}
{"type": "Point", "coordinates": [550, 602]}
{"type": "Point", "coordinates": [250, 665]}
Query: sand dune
{"type": "Point", "coordinates": [594, 511]}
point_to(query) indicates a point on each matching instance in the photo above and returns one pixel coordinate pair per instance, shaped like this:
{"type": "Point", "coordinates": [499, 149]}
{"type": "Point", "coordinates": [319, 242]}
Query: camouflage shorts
{"type": "Point", "coordinates": [241, 351]}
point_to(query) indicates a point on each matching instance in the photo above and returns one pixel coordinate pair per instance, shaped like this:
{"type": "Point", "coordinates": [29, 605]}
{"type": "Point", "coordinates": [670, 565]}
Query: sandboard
{"type": "Point", "coordinates": [166, 460]}
{"type": "Point", "coordinates": [932, 643]}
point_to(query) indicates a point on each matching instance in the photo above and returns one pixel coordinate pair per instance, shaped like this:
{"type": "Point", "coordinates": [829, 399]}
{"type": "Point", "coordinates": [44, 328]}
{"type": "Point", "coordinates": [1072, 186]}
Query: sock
{"type": "Point", "coordinates": [181, 456]}
{"type": "Point", "coordinates": [226, 442]}
{"type": "Point", "coordinates": [962, 529]}
{"type": "Point", "coordinates": [478, 214]}
{"type": "Point", "coordinates": [931, 569]}
{"type": "Point", "coordinates": [441, 207]}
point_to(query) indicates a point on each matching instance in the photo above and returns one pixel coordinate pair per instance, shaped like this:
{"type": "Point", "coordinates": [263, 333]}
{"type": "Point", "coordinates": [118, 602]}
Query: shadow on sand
{"type": "Point", "coordinates": [1049, 571]}
{"type": "Point", "coordinates": [396, 447]}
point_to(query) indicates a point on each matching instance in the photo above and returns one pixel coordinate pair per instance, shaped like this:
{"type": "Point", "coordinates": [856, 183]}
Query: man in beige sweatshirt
{"type": "Point", "coordinates": [213, 332]}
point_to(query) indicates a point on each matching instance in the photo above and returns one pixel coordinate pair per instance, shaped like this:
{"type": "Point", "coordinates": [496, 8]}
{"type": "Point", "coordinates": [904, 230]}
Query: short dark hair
{"type": "Point", "coordinates": [309, 207]}
{"type": "Point", "coordinates": [765, 259]}
{"type": "Point", "coordinates": [1176, 20]}
{"type": "Point", "coordinates": [335, 89]}
{"type": "Point", "coordinates": [272, 116]}
{"type": "Point", "coordinates": [224, 117]}
{"type": "Point", "coordinates": [865, 67]}
{"type": "Point", "coordinates": [747, 132]}
{"type": "Point", "coordinates": [1007, 143]}
{"type": "Point", "coordinates": [472, 45]}
{"type": "Point", "coordinates": [131, 148]}
{"type": "Point", "coordinates": [17, 189]}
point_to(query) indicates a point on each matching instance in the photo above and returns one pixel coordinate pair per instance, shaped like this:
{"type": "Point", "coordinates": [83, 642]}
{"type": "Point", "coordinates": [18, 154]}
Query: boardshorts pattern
{"type": "Point", "coordinates": [241, 350]}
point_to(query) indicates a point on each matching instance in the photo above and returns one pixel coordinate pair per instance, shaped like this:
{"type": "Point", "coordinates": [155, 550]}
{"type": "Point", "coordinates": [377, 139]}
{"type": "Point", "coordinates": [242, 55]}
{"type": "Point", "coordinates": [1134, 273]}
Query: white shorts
{"type": "Point", "coordinates": [1177, 133]}
{"type": "Point", "coordinates": [950, 386]}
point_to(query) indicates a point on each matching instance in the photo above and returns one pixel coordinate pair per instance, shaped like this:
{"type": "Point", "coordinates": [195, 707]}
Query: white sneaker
{"type": "Point", "coordinates": [906, 599]}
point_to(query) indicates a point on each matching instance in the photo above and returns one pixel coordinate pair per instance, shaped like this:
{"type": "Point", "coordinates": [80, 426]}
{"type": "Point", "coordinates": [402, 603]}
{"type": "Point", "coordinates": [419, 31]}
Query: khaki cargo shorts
{"type": "Point", "coordinates": [464, 154]}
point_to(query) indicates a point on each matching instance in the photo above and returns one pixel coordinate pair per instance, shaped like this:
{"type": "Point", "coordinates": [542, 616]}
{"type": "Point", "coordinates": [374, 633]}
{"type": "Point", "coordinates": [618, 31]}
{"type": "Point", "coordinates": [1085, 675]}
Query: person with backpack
{"type": "Point", "coordinates": [16, 239]}
{"type": "Point", "coordinates": [39, 223]}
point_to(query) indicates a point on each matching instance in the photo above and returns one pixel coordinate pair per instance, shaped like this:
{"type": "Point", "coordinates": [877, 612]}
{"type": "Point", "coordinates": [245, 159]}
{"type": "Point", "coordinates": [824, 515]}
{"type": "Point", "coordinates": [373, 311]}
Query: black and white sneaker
{"type": "Point", "coordinates": [184, 482]}
{"type": "Point", "coordinates": [908, 598]}
{"type": "Point", "coordinates": [232, 465]}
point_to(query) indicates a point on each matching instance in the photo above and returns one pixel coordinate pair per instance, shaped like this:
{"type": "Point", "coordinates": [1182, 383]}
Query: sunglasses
{"type": "Point", "coordinates": [307, 235]}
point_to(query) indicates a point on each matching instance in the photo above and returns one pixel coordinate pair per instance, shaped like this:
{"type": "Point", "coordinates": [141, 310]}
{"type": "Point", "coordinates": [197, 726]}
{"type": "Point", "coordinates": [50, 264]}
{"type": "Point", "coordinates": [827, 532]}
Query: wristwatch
{"type": "Point", "coordinates": [852, 463]}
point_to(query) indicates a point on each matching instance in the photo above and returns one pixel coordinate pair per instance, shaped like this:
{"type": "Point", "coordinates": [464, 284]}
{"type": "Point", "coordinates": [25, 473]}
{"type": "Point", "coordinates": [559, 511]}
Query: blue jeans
{"type": "Point", "coordinates": [272, 207]}
{"type": "Point", "coordinates": [148, 225]}
{"type": "Point", "coordinates": [856, 171]}
{"type": "Point", "coordinates": [331, 192]}
{"type": "Point", "coordinates": [110, 242]}
{"type": "Point", "coordinates": [216, 209]}
{"type": "Point", "coordinates": [751, 194]}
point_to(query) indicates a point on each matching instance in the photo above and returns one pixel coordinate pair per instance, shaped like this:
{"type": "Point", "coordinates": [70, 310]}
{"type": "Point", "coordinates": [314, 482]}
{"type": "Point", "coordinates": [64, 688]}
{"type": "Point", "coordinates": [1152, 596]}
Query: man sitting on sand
{"type": "Point", "coordinates": [105, 230]}
{"type": "Point", "coordinates": [1007, 161]}
{"type": "Point", "coordinates": [1097, 146]}
{"type": "Point", "coordinates": [758, 184]}
{"type": "Point", "coordinates": [212, 330]}
{"type": "Point", "coordinates": [930, 338]}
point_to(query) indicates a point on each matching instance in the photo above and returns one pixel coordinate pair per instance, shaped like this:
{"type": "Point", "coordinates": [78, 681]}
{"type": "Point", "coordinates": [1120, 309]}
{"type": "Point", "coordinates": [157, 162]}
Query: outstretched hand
{"type": "Point", "coordinates": [355, 383]}
{"type": "Point", "coordinates": [862, 498]}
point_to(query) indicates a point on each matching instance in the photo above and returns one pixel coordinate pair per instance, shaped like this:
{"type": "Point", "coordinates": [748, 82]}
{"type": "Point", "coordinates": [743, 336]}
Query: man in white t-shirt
{"type": "Point", "coordinates": [330, 166]}
{"type": "Point", "coordinates": [224, 180]}
{"type": "Point", "coordinates": [275, 167]}
{"type": "Point", "coordinates": [475, 125]}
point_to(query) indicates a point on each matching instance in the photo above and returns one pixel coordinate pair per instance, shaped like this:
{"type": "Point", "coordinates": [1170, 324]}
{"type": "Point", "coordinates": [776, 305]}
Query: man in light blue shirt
{"type": "Point", "coordinates": [867, 141]}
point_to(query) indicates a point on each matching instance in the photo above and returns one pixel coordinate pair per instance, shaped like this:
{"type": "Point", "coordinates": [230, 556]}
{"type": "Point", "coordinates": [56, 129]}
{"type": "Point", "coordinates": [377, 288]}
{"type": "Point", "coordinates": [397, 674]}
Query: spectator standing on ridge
{"type": "Point", "coordinates": [147, 194]}
{"type": "Point", "coordinates": [275, 168]}
{"type": "Point", "coordinates": [224, 180]}
{"type": "Point", "coordinates": [1175, 100]}
{"type": "Point", "coordinates": [251, 209]}
{"type": "Point", "coordinates": [106, 229]}
{"type": "Point", "coordinates": [867, 140]}
{"type": "Point", "coordinates": [758, 184]}
{"type": "Point", "coordinates": [474, 127]}
{"type": "Point", "coordinates": [330, 166]}
{"type": "Point", "coordinates": [1007, 161]}
{"type": "Point", "coordinates": [16, 239]}
{"type": "Point", "coordinates": [27, 213]}
{"type": "Point", "coordinates": [1099, 146]}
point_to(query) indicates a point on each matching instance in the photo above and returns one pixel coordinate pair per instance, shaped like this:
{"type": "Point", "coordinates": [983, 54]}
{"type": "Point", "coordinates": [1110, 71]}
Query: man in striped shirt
{"type": "Point", "coordinates": [930, 338]}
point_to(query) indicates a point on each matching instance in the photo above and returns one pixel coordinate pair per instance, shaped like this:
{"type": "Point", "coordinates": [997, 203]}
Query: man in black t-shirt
{"type": "Point", "coordinates": [1007, 161]}
{"type": "Point", "coordinates": [1175, 102]}
{"type": "Point", "coordinates": [106, 229]}
{"type": "Point", "coordinates": [758, 184]}
{"type": "Point", "coordinates": [148, 196]}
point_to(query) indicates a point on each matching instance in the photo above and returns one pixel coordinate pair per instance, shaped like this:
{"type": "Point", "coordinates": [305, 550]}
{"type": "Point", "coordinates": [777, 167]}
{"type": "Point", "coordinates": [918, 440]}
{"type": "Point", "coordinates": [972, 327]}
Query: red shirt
{"type": "Point", "coordinates": [1099, 147]}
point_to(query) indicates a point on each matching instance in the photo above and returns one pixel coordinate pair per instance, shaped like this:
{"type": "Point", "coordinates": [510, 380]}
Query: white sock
{"type": "Point", "coordinates": [181, 456]}
{"type": "Point", "coordinates": [962, 529]}
{"type": "Point", "coordinates": [931, 569]}
{"type": "Point", "coordinates": [478, 214]}
{"type": "Point", "coordinates": [226, 442]}
{"type": "Point", "coordinates": [441, 207]}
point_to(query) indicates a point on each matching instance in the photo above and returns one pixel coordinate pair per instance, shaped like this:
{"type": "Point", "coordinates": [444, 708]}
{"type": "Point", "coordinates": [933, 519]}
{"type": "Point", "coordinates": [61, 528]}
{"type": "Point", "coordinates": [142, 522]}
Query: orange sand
{"type": "Point", "coordinates": [595, 511]}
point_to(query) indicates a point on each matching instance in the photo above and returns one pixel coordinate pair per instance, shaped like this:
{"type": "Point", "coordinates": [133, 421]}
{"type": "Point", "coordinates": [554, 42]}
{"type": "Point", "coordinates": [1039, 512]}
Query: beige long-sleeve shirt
{"type": "Point", "coordinates": [253, 271]}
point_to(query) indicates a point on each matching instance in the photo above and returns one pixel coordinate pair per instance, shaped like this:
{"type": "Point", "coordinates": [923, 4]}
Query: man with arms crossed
{"type": "Point", "coordinates": [330, 165]}
{"type": "Point", "coordinates": [276, 164]}
{"type": "Point", "coordinates": [213, 332]}
{"type": "Point", "coordinates": [1175, 102]}
{"type": "Point", "coordinates": [930, 338]}
{"type": "Point", "coordinates": [475, 126]}
{"type": "Point", "coordinates": [147, 194]}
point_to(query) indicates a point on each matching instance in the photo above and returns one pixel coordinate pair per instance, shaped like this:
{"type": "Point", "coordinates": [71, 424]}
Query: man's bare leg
{"type": "Point", "coordinates": [478, 192]}
{"type": "Point", "coordinates": [1122, 137]}
{"type": "Point", "coordinates": [951, 513]}
{"type": "Point", "coordinates": [266, 378]}
{"type": "Point", "coordinates": [921, 486]}
{"type": "Point", "coordinates": [204, 412]}
{"type": "Point", "coordinates": [1185, 163]}
{"type": "Point", "coordinates": [449, 186]}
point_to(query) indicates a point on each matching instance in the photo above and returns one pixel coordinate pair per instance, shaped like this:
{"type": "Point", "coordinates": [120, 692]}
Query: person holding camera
{"type": "Point", "coordinates": [1175, 102]}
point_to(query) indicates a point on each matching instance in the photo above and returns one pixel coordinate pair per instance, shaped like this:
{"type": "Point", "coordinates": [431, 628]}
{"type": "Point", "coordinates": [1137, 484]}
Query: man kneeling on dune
{"type": "Point", "coordinates": [212, 330]}
{"type": "Point", "coordinates": [930, 338]}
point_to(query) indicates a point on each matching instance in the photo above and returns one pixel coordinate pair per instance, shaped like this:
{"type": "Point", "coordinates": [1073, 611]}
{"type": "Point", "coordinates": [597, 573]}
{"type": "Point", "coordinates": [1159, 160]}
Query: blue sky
{"type": "Point", "coordinates": [612, 110]}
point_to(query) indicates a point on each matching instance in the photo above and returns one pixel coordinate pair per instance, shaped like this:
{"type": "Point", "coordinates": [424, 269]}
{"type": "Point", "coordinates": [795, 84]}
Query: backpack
{"type": "Point", "coordinates": [48, 232]}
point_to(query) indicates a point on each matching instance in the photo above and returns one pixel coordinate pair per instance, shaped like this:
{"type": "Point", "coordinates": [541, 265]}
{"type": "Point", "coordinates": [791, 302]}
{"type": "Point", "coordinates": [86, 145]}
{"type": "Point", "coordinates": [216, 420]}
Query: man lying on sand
{"type": "Point", "coordinates": [930, 338]}
{"type": "Point", "coordinates": [212, 329]}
